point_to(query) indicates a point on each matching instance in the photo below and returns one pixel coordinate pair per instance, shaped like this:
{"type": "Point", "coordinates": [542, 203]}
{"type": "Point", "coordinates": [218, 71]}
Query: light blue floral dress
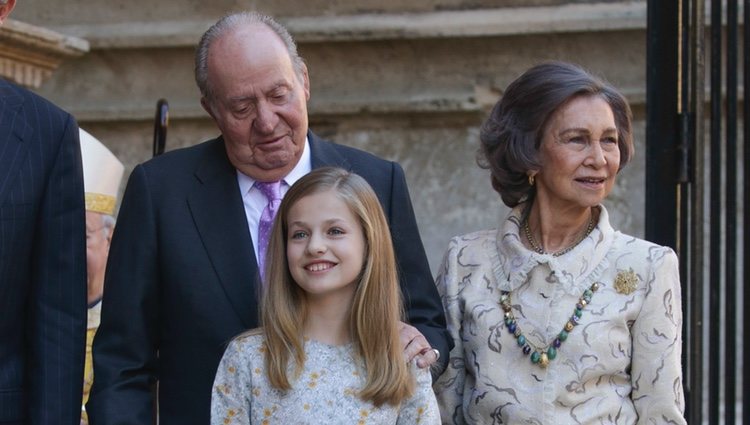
{"type": "Point", "coordinates": [325, 393]}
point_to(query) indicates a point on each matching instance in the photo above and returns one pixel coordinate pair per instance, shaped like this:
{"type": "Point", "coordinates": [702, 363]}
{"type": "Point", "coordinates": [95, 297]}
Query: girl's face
{"type": "Point", "coordinates": [579, 155]}
{"type": "Point", "coordinates": [325, 246]}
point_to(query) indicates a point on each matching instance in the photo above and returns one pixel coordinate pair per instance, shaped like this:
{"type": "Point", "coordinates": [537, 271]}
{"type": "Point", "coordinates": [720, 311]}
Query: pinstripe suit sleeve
{"type": "Point", "coordinates": [57, 310]}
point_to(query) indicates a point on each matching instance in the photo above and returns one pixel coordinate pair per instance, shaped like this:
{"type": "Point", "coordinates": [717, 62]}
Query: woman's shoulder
{"type": "Point", "coordinates": [629, 242]}
{"type": "Point", "coordinates": [641, 250]}
{"type": "Point", "coordinates": [473, 248]}
{"type": "Point", "coordinates": [474, 239]}
{"type": "Point", "coordinates": [623, 243]}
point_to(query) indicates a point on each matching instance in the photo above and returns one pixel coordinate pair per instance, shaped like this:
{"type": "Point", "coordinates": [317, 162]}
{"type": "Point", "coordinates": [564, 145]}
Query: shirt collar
{"type": "Point", "coordinates": [576, 269]}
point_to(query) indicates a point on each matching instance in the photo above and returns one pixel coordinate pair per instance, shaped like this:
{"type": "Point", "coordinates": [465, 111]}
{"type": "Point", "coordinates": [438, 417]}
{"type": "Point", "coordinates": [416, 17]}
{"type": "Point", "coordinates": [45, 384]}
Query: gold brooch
{"type": "Point", "coordinates": [626, 282]}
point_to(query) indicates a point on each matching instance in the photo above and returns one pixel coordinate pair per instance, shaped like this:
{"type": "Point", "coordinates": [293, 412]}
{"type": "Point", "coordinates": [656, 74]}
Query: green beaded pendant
{"type": "Point", "coordinates": [542, 357]}
{"type": "Point", "coordinates": [551, 353]}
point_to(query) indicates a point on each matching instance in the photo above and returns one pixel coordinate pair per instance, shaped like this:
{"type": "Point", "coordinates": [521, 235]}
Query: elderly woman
{"type": "Point", "coordinates": [557, 317]}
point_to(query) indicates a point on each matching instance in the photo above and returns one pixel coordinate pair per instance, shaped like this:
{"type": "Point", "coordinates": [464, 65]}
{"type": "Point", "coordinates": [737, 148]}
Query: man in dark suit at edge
{"type": "Point", "coordinates": [42, 259]}
{"type": "Point", "coordinates": [182, 277]}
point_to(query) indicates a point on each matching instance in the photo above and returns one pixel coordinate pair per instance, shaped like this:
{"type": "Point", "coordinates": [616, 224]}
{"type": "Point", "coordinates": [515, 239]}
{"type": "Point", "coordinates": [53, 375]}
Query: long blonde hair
{"type": "Point", "coordinates": [376, 307]}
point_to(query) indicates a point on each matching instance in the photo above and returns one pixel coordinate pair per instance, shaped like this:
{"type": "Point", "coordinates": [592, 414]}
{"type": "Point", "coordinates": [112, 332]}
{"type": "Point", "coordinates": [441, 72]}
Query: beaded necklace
{"type": "Point", "coordinates": [538, 249]}
{"type": "Point", "coordinates": [542, 355]}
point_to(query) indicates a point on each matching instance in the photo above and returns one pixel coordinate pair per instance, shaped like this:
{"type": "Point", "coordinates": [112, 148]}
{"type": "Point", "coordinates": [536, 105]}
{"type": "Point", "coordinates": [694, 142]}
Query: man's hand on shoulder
{"type": "Point", "coordinates": [416, 346]}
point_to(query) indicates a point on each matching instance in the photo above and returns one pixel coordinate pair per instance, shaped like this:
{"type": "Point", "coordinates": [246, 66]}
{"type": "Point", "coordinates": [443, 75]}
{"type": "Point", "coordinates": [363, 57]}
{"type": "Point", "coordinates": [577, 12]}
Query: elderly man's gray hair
{"type": "Point", "coordinates": [230, 22]}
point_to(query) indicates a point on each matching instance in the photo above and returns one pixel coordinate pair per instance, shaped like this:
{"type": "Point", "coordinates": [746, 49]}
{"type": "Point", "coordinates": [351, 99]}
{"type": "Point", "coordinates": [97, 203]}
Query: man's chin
{"type": "Point", "coordinates": [268, 170]}
{"type": "Point", "coordinates": [276, 162]}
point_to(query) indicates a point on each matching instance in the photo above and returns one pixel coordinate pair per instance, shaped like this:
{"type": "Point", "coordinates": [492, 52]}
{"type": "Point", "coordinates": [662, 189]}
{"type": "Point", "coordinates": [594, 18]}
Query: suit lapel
{"type": "Point", "coordinates": [14, 130]}
{"type": "Point", "coordinates": [217, 209]}
{"type": "Point", "coordinates": [219, 214]}
{"type": "Point", "coordinates": [323, 154]}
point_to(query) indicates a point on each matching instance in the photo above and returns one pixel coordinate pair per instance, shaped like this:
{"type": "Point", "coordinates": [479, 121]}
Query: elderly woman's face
{"type": "Point", "coordinates": [579, 155]}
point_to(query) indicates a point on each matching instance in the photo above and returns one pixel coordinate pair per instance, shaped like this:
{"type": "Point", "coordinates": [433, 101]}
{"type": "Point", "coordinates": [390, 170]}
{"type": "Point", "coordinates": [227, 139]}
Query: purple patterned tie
{"type": "Point", "coordinates": [272, 192]}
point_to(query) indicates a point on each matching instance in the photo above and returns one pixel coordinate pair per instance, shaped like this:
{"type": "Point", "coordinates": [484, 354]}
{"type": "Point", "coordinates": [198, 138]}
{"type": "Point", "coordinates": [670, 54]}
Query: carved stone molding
{"type": "Point", "coordinates": [29, 54]}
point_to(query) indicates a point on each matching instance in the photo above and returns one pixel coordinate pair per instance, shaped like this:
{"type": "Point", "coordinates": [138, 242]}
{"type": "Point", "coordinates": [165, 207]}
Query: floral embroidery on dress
{"type": "Point", "coordinates": [326, 392]}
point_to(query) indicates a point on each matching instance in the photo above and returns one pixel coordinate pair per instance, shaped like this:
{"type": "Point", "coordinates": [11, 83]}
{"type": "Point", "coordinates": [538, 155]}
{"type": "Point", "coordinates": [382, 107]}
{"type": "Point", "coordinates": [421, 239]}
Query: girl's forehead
{"type": "Point", "coordinates": [321, 204]}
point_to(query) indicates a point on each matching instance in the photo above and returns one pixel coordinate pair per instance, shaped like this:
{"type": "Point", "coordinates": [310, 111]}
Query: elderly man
{"type": "Point", "coordinates": [102, 173]}
{"type": "Point", "coordinates": [183, 275]}
{"type": "Point", "coordinates": [42, 259]}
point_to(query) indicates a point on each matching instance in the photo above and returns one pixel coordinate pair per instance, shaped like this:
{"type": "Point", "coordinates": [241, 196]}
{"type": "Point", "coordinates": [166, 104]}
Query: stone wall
{"type": "Point", "coordinates": [408, 80]}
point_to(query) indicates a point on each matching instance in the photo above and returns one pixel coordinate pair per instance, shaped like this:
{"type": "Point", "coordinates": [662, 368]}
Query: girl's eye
{"type": "Point", "coordinates": [298, 235]}
{"type": "Point", "coordinates": [335, 231]}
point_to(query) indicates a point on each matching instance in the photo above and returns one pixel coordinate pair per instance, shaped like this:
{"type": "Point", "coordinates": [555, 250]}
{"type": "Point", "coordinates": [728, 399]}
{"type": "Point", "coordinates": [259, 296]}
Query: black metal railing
{"type": "Point", "coordinates": [687, 168]}
{"type": "Point", "coordinates": [746, 215]}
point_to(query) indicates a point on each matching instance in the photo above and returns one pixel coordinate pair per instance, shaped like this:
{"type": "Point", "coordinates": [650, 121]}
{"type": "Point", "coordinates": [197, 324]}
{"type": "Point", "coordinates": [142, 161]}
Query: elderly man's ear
{"type": "Point", "coordinates": [5, 9]}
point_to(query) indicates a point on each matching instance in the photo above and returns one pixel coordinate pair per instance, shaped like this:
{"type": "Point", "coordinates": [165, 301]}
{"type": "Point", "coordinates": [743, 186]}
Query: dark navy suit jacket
{"type": "Point", "coordinates": [42, 262]}
{"type": "Point", "coordinates": [182, 275]}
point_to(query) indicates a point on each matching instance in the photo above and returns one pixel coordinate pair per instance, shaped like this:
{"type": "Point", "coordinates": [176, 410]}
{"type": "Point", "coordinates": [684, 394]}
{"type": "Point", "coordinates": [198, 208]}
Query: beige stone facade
{"type": "Point", "coordinates": [30, 54]}
{"type": "Point", "coordinates": [408, 80]}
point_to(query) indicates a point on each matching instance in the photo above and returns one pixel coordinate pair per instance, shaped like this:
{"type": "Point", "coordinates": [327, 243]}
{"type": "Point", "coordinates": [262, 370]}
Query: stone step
{"type": "Point", "coordinates": [597, 17]}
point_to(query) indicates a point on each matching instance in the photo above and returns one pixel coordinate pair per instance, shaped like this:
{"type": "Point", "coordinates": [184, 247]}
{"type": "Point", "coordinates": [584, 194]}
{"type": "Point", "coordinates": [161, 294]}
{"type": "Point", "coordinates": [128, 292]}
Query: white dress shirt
{"type": "Point", "coordinates": [254, 200]}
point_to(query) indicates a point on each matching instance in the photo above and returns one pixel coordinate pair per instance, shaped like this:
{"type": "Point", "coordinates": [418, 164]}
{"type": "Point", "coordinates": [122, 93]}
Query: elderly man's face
{"type": "Point", "coordinates": [97, 251]}
{"type": "Point", "coordinates": [258, 101]}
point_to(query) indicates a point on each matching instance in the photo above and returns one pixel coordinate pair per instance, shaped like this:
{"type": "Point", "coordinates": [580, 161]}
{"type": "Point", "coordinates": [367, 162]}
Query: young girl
{"type": "Point", "coordinates": [329, 350]}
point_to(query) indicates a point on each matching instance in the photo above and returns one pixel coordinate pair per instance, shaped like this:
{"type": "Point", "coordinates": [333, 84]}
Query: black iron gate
{"type": "Point", "coordinates": [695, 171]}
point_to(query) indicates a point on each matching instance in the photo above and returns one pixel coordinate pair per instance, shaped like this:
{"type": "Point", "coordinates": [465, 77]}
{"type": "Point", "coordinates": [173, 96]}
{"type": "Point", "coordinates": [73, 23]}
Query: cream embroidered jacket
{"type": "Point", "coordinates": [619, 365]}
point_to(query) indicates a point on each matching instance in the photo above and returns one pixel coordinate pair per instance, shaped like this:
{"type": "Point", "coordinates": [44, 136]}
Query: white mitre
{"type": "Point", "coordinates": [102, 173]}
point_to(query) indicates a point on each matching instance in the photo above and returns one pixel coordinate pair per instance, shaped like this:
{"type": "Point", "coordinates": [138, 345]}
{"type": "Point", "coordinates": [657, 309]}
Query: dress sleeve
{"type": "Point", "coordinates": [422, 407]}
{"type": "Point", "coordinates": [231, 394]}
{"type": "Point", "coordinates": [657, 344]}
{"type": "Point", "coordinates": [450, 385]}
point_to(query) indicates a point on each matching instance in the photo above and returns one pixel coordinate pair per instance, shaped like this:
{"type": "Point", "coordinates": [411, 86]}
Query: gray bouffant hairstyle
{"type": "Point", "coordinates": [511, 136]}
{"type": "Point", "coordinates": [230, 22]}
